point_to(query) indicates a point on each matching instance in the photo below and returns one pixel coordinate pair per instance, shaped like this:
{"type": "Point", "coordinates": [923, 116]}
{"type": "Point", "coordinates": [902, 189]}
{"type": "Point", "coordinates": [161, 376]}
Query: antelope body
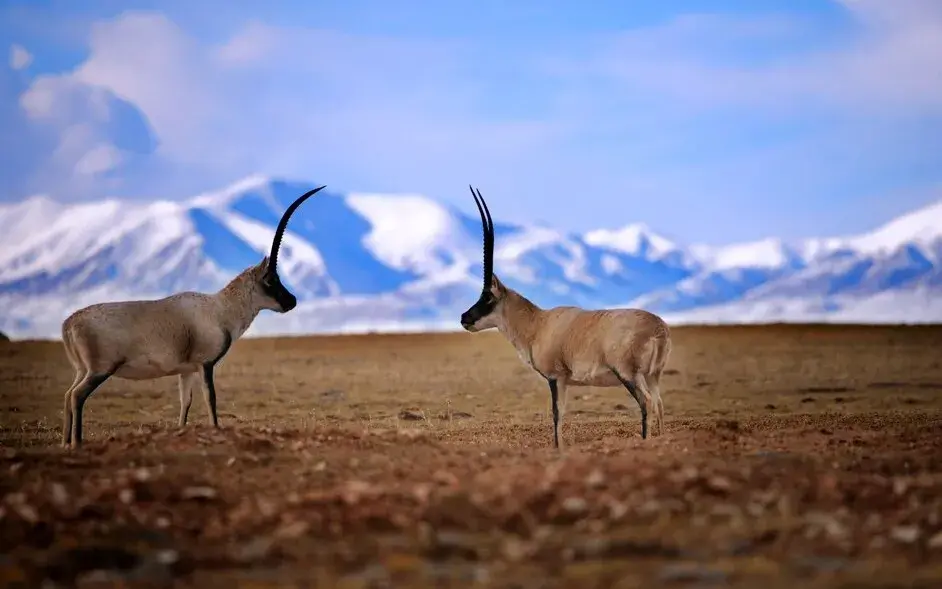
{"type": "Point", "coordinates": [570, 346]}
{"type": "Point", "coordinates": [185, 334]}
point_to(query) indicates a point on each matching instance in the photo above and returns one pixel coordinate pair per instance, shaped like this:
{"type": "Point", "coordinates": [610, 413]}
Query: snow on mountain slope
{"type": "Point", "coordinates": [636, 239]}
{"type": "Point", "coordinates": [901, 256]}
{"type": "Point", "coordinates": [363, 262]}
{"type": "Point", "coordinates": [355, 259]}
{"type": "Point", "coordinates": [908, 306]}
{"type": "Point", "coordinates": [921, 229]}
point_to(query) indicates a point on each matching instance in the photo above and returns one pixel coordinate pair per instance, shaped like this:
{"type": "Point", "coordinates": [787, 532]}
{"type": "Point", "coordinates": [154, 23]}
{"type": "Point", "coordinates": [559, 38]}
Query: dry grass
{"type": "Point", "coordinates": [804, 455]}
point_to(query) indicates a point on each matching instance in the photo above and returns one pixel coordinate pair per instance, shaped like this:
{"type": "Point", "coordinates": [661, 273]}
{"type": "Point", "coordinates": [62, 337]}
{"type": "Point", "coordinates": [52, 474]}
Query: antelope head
{"type": "Point", "coordinates": [485, 313]}
{"type": "Point", "coordinates": [274, 295]}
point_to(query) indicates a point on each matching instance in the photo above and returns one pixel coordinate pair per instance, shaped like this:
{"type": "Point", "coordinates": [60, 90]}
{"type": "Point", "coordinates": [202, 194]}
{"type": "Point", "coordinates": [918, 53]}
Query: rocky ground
{"type": "Point", "coordinates": [792, 456]}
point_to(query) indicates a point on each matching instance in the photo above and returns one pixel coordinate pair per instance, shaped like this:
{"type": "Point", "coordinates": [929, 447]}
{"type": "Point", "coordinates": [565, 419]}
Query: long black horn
{"type": "Point", "coordinates": [282, 224]}
{"type": "Point", "coordinates": [488, 226]}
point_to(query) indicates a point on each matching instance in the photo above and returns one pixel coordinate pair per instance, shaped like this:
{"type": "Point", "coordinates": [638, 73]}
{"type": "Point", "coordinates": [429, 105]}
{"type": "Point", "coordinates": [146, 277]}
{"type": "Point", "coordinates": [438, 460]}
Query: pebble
{"type": "Point", "coordinates": [199, 493]}
{"type": "Point", "coordinates": [60, 497]}
{"type": "Point", "coordinates": [575, 505]}
{"type": "Point", "coordinates": [595, 479]}
{"type": "Point", "coordinates": [720, 484]}
{"type": "Point", "coordinates": [905, 534]}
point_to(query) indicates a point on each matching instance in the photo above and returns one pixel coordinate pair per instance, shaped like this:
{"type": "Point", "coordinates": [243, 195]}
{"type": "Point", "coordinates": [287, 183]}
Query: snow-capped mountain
{"type": "Point", "coordinates": [356, 261]}
{"type": "Point", "coordinates": [385, 262]}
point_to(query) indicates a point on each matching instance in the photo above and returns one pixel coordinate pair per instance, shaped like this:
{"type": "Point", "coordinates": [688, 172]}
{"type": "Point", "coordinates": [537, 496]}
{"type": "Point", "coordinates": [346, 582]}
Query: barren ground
{"type": "Point", "coordinates": [794, 456]}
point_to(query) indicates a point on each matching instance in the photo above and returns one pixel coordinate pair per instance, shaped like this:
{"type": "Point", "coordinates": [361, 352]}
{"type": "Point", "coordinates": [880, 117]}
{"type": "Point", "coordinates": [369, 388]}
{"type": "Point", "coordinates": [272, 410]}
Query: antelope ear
{"type": "Point", "coordinates": [497, 287]}
{"type": "Point", "coordinates": [263, 265]}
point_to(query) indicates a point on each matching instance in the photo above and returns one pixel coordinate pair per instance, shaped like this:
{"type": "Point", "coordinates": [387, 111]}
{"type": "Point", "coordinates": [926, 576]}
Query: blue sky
{"type": "Point", "coordinates": [710, 121]}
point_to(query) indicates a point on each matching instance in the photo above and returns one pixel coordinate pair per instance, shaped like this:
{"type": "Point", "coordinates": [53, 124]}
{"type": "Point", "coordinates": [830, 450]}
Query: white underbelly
{"type": "Point", "coordinates": [144, 370]}
{"type": "Point", "coordinates": [593, 376]}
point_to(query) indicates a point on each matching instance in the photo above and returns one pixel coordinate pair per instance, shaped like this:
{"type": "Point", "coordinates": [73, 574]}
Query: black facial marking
{"type": "Point", "coordinates": [482, 308]}
{"type": "Point", "coordinates": [273, 287]}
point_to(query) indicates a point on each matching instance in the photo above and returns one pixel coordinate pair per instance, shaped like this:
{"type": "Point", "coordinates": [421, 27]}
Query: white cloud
{"type": "Point", "coordinates": [20, 58]}
{"type": "Point", "coordinates": [297, 101]}
{"type": "Point", "coordinates": [99, 159]}
{"type": "Point", "coordinates": [889, 66]}
{"type": "Point", "coordinates": [615, 115]}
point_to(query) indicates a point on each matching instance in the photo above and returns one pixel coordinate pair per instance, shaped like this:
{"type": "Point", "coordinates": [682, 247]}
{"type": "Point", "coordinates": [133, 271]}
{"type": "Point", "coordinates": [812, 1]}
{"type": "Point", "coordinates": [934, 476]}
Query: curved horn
{"type": "Point", "coordinates": [282, 224]}
{"type": "Point", "coordinates": [488, 226]}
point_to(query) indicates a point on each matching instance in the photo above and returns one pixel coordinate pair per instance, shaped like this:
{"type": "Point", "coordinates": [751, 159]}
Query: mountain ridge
{"type": "Point", "coordinates": [372, 261]}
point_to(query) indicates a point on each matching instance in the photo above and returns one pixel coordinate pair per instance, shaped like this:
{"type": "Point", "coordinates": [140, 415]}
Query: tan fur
{"type": "Point", "coordinates": [578, 347]}
{"type": "Point", "coordinates": [176, 335]}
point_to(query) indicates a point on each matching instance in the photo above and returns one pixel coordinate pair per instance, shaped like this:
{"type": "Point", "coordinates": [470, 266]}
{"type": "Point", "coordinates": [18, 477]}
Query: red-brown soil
{"type": "Point", "coordinates": [793, 456]}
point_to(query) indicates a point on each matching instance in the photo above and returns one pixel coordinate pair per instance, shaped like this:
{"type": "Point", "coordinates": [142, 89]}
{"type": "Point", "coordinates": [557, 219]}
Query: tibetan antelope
{"type": "Point", "coordinates": [184, 334]}
{"type": "Point", "coordinates": [569, 346]}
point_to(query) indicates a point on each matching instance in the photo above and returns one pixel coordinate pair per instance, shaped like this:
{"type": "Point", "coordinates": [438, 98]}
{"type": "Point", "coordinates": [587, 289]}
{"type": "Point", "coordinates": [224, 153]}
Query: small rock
{"type": "Point", "coordinates": [899, 486]}
{"type": "Point", "coordinates": [410, 415]}
{"type": "Point", "coordinates": [935, 542]}
{"type": "Point", "coordinates": [621, 407]}
{"type": "Point", "coordinates": [421, 492]}
{"type": "Point", "coordinates": [461, 415]}
{"type": "Point", "coordinates": [60, 497]}
{"type": "Point", "coordinates": [830, 524]}
{"type": "Point", "coordinates": [354, 490]}
{"type": "Point", "coordinates": [443, 477]}
{"type": "Point", "coordinates": [905, 534]}
{"type": "Point", "coordinates": [126, 496]}
{"type": "Point", "coordinates": [167, 557]}
{"type": "Point", "coordinates": [575, 505]}
{"type": "Point", "coordinates": [199, 493]}
{"type": "Point", "coordinates": [266, 507]}
{"type": "Point", "coordinates": [514, 549]}
{"type": "Point", "coordinates": [719, 484]}
{"type": "Point", "coordinates": [595, 479]}
{"type": "Point", "coordinates": [617, 510]}
{"type": "Point", "coordinates": [27, 512]}
{"type": "Point", "coordinates": [292, 530]}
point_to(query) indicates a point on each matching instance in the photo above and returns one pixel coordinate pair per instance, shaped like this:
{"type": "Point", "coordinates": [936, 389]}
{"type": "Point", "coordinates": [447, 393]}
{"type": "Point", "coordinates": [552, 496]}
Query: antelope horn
{"type": "Point", "coordinates": [280, 231]}
{"type": "Point", "coordinates": [488, 226]}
